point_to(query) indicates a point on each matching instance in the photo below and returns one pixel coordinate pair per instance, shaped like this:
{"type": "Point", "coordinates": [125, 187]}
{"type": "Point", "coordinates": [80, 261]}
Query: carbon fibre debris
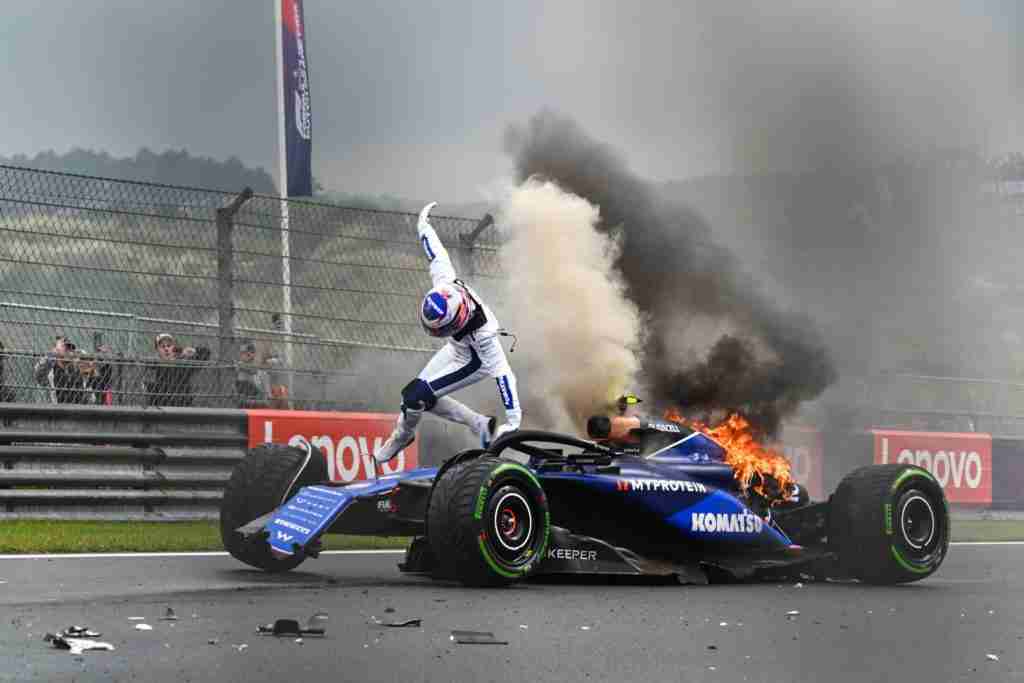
{"type": "Point", "coordinates": [476, 638]}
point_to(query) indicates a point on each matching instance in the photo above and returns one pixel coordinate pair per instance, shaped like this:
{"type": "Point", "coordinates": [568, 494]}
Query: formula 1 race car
{"type": "Point", "coordinates": [639, 497]}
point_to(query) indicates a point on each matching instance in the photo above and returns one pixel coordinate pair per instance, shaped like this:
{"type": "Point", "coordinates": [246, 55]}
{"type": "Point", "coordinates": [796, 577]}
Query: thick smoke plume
{"type": "Point", "coordinates": [583, 333]}
{"type": "Point", "coordinates": [767, 361]}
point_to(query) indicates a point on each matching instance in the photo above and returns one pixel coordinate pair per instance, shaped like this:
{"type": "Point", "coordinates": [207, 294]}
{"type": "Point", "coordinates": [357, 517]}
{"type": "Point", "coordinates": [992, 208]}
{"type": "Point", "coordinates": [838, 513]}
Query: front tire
{"type": "Point", "coordinates": [488, 522]}
{"type": "Point", "coordinates": [889, 524]}
{"type": "Point", "coordinates": [259, 484]}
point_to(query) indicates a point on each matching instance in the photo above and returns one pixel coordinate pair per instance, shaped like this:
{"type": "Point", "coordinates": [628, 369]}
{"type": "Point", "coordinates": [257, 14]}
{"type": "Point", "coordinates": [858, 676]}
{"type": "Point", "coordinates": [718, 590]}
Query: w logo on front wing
{"type": "Point", "coordinates": [282, 536]}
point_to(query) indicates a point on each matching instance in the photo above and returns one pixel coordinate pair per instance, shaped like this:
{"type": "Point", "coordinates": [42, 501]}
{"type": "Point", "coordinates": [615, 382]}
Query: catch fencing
{"type": "Point", "coordinates": [322, 291]}
{"type": "Point", "coordinates": [111, 263]}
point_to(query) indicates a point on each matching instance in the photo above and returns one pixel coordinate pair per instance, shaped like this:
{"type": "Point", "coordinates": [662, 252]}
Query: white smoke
{"type": "Point", "coordinates": [579, 334]}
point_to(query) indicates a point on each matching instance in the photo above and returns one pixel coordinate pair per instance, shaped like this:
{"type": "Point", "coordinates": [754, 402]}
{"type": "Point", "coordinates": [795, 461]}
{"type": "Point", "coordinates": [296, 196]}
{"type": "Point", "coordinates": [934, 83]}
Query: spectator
{"type": "Point", "coordinates": [278, 378]}
{"type": "Point", "coordinates": [95, 380]}
{"type": "Point", "coordinates": [168, 382]}
{"type": "Point", "coordinates": [111, 367]}
{"type": "Point", "coordinates": [6, 392]}
{"type": "Point", "coordinates": [252, 384]}
{"type": "Point", "coordinates": [58, 372]}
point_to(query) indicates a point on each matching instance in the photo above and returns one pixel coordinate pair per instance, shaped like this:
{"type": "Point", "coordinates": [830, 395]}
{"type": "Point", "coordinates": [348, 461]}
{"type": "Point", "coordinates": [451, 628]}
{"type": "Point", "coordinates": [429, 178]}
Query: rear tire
{"type": "Point", "coordinates": [488, 522]}
{"type": "Point", "coordinates": [889, 524]}
{"type": "Point", "coordinates": [258, 484]}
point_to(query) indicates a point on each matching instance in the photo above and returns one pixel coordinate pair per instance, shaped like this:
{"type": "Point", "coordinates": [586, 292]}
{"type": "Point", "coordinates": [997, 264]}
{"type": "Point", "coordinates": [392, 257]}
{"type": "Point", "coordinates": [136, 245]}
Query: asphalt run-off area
{"type": "Point", "coordinates": [964, 623]}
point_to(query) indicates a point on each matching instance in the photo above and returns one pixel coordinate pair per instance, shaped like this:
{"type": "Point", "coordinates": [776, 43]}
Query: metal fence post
{"type": "Point", "coordinates": [467, 240]}
{"type": "Point", "coordinates": [226, 350]}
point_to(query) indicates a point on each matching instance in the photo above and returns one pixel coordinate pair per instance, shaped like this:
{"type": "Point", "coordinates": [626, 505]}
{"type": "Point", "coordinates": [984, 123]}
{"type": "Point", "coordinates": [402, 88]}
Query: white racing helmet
{"type": "Point", "coordinates": [446, 310]}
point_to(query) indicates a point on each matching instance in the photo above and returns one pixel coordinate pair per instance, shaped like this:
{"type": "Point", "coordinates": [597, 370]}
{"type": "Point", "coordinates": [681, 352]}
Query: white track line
{"type": "Point", "coordinates": [987, 543]}
{"type": "Point", "coordinates": [86, 556]}
{"type": "Point", "coordinates": [110, 556]}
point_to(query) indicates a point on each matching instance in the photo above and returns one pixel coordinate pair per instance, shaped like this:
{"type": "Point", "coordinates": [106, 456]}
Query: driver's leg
{"type": "Point", "coordinates": [416, 398]}
{"type": "Point", "coordinates": [458, 368]}
{"type": "Point", "coordinates": [459, 413]}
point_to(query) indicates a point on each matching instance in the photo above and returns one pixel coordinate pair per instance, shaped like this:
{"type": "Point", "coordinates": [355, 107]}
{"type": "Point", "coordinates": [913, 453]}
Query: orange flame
{"type": "Point", "coordinates": [748, 458]}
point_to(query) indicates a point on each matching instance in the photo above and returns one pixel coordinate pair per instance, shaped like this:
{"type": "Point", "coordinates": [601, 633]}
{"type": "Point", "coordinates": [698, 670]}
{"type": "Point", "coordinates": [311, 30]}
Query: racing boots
{"type": "Point", "coordinates": [493, 430]}
{"type": "Point", "coordinates": [399, 439]}
{"type": "Point", "coordinates": [487, 433]}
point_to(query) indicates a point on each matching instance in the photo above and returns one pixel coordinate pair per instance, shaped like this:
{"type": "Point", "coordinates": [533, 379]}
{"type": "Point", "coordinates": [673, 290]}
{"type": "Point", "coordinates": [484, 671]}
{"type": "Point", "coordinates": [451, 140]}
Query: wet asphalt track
{"type": "Point", "coordinates": [938, 630]}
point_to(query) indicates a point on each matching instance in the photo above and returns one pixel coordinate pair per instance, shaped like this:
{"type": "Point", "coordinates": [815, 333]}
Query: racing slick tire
{"type": "Point", "coordinates": [488, 522]}
{"type": "Point", "coordinates": [259, 484]}
{"type": "Point", "coordinates": [889, 524]}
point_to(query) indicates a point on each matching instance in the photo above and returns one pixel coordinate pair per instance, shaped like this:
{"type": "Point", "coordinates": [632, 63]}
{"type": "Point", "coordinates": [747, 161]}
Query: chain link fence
{"type": "Point", "coordinates": [110, 264]}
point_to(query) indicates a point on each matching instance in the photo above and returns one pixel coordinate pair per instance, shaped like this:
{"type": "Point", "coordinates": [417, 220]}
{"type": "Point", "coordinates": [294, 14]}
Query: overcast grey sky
{"type": "Point", "coordinates": [412, 98]}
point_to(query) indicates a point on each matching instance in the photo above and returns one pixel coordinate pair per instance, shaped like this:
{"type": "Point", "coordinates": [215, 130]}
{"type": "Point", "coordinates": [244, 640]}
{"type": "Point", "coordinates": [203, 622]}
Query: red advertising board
{"type": "Point", "coordinates": [804, 450]}
{"type": "Point", "coordinates": [962, 463]}
{"type": "Point", "coordinates": [347, 440]}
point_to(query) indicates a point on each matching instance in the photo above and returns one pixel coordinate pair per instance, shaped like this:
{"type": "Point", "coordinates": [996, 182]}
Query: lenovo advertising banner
{"type": "Point", "coordinates": [347, 440]}
{"type": "Point", "coordinates": [298, 118]}
{"type": "Point", "coordinates": [962, 463]}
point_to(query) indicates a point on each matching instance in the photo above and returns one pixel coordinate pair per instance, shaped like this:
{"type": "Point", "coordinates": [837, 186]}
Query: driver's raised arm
{"type": "Point", "coordinates": [441, 268]}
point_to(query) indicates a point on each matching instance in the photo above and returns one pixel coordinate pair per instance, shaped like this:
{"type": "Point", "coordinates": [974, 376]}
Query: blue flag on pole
{"type": "Point", "coordinates": [298, 133]}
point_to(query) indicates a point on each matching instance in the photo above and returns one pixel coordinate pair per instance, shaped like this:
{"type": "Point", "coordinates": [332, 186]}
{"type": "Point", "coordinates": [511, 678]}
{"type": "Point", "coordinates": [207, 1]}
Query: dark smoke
{"type": "Point", "coordinates": [673, 271]}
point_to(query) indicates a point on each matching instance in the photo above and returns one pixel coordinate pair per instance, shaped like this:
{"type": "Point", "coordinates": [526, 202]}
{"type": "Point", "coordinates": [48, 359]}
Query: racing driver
{"type": "Point", "coordinates": [453, 311]}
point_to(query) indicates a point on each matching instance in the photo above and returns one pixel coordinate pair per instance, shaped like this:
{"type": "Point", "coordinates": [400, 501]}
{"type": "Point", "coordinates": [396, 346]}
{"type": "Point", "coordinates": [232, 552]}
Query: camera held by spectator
{"type": "Point", "coordinates": [58, 372]}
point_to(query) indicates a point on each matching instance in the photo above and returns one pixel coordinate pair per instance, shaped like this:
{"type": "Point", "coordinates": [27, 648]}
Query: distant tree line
{"type": "Point", "coordinates": [172, 167]}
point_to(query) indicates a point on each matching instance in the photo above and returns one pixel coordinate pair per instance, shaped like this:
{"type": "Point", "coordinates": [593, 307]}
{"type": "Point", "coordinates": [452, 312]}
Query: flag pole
{"type": "Point", "coordinates": [282, 183]}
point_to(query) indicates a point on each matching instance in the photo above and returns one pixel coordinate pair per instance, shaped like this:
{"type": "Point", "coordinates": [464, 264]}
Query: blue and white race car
{"type": "Point", "coordinates": [654, 499]}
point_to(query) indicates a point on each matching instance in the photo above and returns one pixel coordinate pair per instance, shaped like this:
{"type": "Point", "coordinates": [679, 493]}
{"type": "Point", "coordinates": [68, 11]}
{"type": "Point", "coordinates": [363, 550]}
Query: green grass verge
{"type": "Point", "coordinates": [46, 536]}
{"type": "Point", "coordinates": [50, 536]}
{"type": "Point", "coordinates": [988, 529]}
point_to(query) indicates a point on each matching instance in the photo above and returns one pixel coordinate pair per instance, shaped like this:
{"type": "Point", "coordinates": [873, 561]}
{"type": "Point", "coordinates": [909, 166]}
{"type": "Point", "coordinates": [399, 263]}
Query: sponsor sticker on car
{"type": "Point", "coordinates": [574, 554]}
{"type": "Point", "coordinates": [662, 485]}
{"type": "Point", "coordinates": [726, 523]}
{"type": "Point", "coordinates": [304, 516]}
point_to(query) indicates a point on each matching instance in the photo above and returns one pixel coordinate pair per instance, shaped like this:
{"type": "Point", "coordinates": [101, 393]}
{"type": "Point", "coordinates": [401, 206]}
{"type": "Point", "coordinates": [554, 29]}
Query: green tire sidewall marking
{"type": "Point", "coordinates": [513, 574]}
{"type": "Point", "coordinates": [501, 571]}
{"type": "Point", "coordinates": [903, 562]}
{"type": "Point", "coordinates": [481, 500]}
{"type": "Point", "coordinates": [913, 472]}
{"type": "Point", "coordinates": [478, 515]}
{"type": "Point", "coordinates": [897, 555]}
{"type": "Point", "coordinates": [481, 497]}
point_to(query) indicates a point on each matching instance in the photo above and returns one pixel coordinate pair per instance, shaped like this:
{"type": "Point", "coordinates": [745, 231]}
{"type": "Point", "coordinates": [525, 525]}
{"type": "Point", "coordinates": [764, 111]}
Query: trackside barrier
{"type": "Point", "coordinates": [108, 462]}
{"type": "Point", "coordinates": [118, 463]}
{"type": "Point", "coordinates": [976, 470]}
{"type": "Point", "coordinates": [123, 463]}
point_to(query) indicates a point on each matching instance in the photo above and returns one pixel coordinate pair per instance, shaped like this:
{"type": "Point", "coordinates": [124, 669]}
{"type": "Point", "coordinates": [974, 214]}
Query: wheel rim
{"type": "Point", "coordinates": [511, 526]}
{"type": "Point", "coordinates": [920, 529]}
{"type": "Point", "coordinates": [917, 522]}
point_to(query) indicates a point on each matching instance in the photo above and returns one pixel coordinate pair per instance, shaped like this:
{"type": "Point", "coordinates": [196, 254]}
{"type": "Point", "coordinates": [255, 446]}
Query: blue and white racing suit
{"type": "Point", "coordinates": [469, 356]}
